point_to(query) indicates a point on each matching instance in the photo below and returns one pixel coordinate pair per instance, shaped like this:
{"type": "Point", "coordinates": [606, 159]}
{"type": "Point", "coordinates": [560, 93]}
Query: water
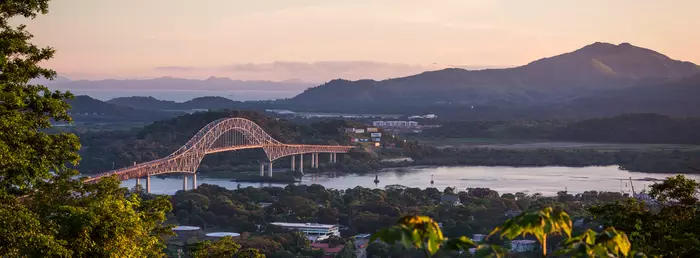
{"type": "Point", "coordinates": [545, 180]}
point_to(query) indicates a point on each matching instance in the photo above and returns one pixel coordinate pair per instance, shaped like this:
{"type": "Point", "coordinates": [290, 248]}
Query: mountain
{"type": "Point", "coordinates": [170, 83]}
{"type": "Point", "coordinates": [87, 109]}
{"type": "Point", "coordinates": [586, 71]}
{"type": "Point", "coordinates": [152, 103]}
{"type": "Point", "coordinates": [676, 98]}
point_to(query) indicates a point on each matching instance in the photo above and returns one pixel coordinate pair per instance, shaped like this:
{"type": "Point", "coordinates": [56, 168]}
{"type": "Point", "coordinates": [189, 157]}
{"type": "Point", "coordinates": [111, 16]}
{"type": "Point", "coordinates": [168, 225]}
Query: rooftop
{"type": "Point", "coordinates": [223, 234]}
{"type": "Point", "coordinates": [303, 225]}
{"type": "Point", "coordinates": [186, 228]}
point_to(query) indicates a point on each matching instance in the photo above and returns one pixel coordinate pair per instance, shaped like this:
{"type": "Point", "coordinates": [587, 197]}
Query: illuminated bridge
{"type": "Point", "coordinates": [227, 134]}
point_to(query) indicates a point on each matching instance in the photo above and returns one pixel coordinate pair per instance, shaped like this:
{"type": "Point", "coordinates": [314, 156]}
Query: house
{"type": "Point", "coordinates": [314, 231]}
{"type": "Point", "coordinates": [519, 246]}
{"type": "Point", "coordinates": [450, 199]}
{"type": "Point", "coordinates": [328, 251]}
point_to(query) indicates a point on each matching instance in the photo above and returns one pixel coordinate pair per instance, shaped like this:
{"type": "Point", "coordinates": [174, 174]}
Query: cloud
{"type": "Point", "coordinates": [174, 68]}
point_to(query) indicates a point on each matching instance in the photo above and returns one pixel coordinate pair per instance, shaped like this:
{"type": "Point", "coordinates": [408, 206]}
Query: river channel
{"type": "Point", "coordinates": [544, 180]}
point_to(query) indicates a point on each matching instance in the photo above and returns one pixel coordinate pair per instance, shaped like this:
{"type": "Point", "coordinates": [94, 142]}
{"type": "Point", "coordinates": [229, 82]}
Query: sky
{"type": "Point", "coordinates": [319, 40]}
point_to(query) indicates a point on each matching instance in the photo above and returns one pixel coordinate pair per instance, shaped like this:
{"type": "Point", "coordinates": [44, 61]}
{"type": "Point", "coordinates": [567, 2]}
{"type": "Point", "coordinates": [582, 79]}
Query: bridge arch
{"type": "Point", "coordinates": [226, 134]}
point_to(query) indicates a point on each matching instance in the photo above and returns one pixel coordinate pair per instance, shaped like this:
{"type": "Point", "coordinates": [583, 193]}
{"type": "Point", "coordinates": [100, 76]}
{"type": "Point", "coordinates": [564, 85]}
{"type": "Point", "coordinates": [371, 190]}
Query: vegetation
{"type": "Point", "coordinates": [658, 161]}
{"type": "Point", "coordinates": [629, 128]}
{"type": "Point", "coordinates": [43, 211]}
{"type": "Point", "coordinates": [361, 210]}
{"type": "Point", "coordinates": [666, 226]}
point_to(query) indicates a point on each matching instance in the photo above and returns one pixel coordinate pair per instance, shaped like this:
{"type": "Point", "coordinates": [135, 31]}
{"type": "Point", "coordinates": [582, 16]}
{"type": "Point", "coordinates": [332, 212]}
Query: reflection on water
{"type": "Point", "coordinates": [545, 180]}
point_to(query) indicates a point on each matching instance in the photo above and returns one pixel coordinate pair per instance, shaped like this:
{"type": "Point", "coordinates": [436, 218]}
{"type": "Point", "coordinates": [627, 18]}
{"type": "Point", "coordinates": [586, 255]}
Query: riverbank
{"type": "Point", "coordinates": [545, 180]}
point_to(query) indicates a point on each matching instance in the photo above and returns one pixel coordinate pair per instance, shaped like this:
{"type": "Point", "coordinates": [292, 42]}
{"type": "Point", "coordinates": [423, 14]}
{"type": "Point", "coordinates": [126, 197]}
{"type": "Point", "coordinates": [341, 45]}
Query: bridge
{"type": "Point", "coordinates": [226, 134]}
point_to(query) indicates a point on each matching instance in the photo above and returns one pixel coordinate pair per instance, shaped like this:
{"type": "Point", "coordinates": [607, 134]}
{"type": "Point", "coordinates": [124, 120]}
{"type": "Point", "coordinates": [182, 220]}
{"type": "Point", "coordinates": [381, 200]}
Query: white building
{"type": "Point", "coordinates": [395, 123]}
{"type": "Point", "coordinates": [313, 231]}
{"type": "Point", "coordinates": [519, 246]}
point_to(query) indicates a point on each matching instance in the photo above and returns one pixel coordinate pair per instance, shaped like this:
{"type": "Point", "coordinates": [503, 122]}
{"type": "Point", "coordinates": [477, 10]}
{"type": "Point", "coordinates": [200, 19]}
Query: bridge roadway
{"type": "Point", "coordinates": [227, 134]}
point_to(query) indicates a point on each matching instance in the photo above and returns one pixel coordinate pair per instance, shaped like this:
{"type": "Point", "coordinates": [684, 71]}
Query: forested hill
{"type": "Point", "coordinates": [161, 138]}
{"type": "Point", "coordinates": [629, 128]}
{"type": "Point", "coordinates": [586, 71]}
{"type": "Point", "coordinates": [87, 109]}
{"type": "Point", "coordinates": [156, 104]}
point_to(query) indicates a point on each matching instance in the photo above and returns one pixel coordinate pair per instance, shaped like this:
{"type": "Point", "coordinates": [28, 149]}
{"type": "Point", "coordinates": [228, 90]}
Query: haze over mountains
{"type": "Point", "coordinates": [584, 72]}
{"type": "Point", "coordinates": [181, 89]}
{"type": "Point", "coordinates": [600, 79]}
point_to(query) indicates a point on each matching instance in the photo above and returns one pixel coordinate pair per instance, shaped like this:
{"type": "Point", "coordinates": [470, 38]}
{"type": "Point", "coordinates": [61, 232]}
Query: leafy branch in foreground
{"type": "Point", "coordinates": [424, 233]}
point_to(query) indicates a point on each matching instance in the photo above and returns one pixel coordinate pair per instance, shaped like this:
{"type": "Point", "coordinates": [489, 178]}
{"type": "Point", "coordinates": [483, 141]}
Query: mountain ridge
{"type": "Point", "coordinates": [598, 66]}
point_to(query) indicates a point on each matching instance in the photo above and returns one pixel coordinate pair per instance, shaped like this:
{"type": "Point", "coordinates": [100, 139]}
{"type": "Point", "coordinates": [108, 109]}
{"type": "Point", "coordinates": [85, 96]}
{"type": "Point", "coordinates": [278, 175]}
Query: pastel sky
{"type": "Point", "coordinates": [318, 40]}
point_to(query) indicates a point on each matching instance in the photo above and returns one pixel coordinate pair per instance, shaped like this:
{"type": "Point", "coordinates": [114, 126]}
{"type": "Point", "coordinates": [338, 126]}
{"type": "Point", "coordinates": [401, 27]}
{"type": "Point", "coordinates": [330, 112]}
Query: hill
{"type": "Point", "coordinates": [152, 103]}
{"type": "Point", "coordinates": [677, 98]}
{"type": "Point", "coordinates": [628, 128]}
{"type": "Point", "coordinates": [85, 108]}
{"type": "Point", "coordinates": [587, 71]}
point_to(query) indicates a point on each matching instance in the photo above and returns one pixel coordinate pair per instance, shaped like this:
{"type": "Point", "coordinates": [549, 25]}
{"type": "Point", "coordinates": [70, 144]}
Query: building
{"type": "Point", "coordinates": [450, 199]}
{"type": "Point", "coordinates": [313, 231]}
{"type": "Point", "coordinates": [328, 251]}
{"type": "Point", "coordinates": [222, 234]}
{"type": "Point", "coordinates": [403, 124]}
{"type": "Point", "coordinates": [519, 246]}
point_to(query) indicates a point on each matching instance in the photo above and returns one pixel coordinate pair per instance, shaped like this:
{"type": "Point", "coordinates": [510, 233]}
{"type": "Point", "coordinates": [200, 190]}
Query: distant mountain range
{"type": "Point", "coordinates": [171, 83]}
{"type": "Point", "coordinates": [593, 69]}
{"type": "Point", "coordinates": [600, 79]}
{"type": "Point", "coordinates": [151, 103]}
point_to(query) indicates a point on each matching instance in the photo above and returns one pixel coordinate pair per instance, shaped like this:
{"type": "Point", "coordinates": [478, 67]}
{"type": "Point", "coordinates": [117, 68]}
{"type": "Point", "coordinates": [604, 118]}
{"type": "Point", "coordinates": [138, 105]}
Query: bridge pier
{"type": "Point", "coordinates": [184, 183]}
{"type": "Point", "coordinates": [313, 160]}
{"type": "Point", "coordinates": [148, 184]}
{"type": "Point", "coordinates": [262, 169]}
{"type": "Point", "coordinates": [293, 167]}
{"type": "Point", "coordinates": [270, 170]}
{"type": "Point", "coordinates": [194, 181]}
{"type": "Point", "coordinates": [138, 182]}
{"type": "Point", "coordinates": [301, 163]}
{"type": "Point", "coordinates": [316, 160]}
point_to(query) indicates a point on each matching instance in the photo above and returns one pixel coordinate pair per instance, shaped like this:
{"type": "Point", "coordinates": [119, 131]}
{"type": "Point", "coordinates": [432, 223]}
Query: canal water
{"type": "Point", "coordinates": [544, 180]}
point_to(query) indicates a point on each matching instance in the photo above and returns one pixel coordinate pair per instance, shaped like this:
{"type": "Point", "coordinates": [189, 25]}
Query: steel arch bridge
{"type": "Point", "coordinates": [226, 134]}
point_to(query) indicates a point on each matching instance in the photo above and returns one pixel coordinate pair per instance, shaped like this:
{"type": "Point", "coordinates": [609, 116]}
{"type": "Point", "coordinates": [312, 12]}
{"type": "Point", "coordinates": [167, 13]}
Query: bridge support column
{"type": "Point", "coordinates": [316, 160]}
{"type": "Point", "coordinates": [148, 184]}
{"type": "Point", "coordinates": [313, 158]}
{"type": "Point", "coordinates": [138, 182]}
{"type": "Point", "coordinates": [293, 167]}
{"type": "Point", "coordinates": [194, 181]}
{"type": "Point", "coordinates": [270, 170]}
{"type": "Point", "coordinates": [330, 158]}
{"type": "Point", "coordinates": [184, 183]}
{"type": "Point", "coordinates": [301, 163]}
{"type": "Point", "coordinates": [262, 169]}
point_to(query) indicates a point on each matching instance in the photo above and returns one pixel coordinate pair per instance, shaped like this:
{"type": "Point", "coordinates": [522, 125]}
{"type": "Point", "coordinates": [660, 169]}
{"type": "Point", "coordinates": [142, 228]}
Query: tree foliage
{"type": "Point", "coordinates": [665, 224]}
{"type": "Point", "coordinates": [44, 212]}
{"type": "Point", "coordinates": [27, 155]}
{"type": "Point", "coordinates": [419, 232]}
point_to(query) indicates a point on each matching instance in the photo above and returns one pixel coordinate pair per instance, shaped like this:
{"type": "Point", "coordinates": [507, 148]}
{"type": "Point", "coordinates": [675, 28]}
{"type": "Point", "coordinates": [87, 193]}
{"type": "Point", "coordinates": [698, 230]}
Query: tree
{"type": "Point", "coordinates": [423, 233]}
{"type": "Point", "coordinates": [348, 251]}
{"type": "Point", "coordinates": [43, 211]}
{"type": "Point", "coordinates": [27, 154]}
{"type": "Point", "coordinates": [222, 248]}
{"type": "Point", "coordinates": [666, 225]}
